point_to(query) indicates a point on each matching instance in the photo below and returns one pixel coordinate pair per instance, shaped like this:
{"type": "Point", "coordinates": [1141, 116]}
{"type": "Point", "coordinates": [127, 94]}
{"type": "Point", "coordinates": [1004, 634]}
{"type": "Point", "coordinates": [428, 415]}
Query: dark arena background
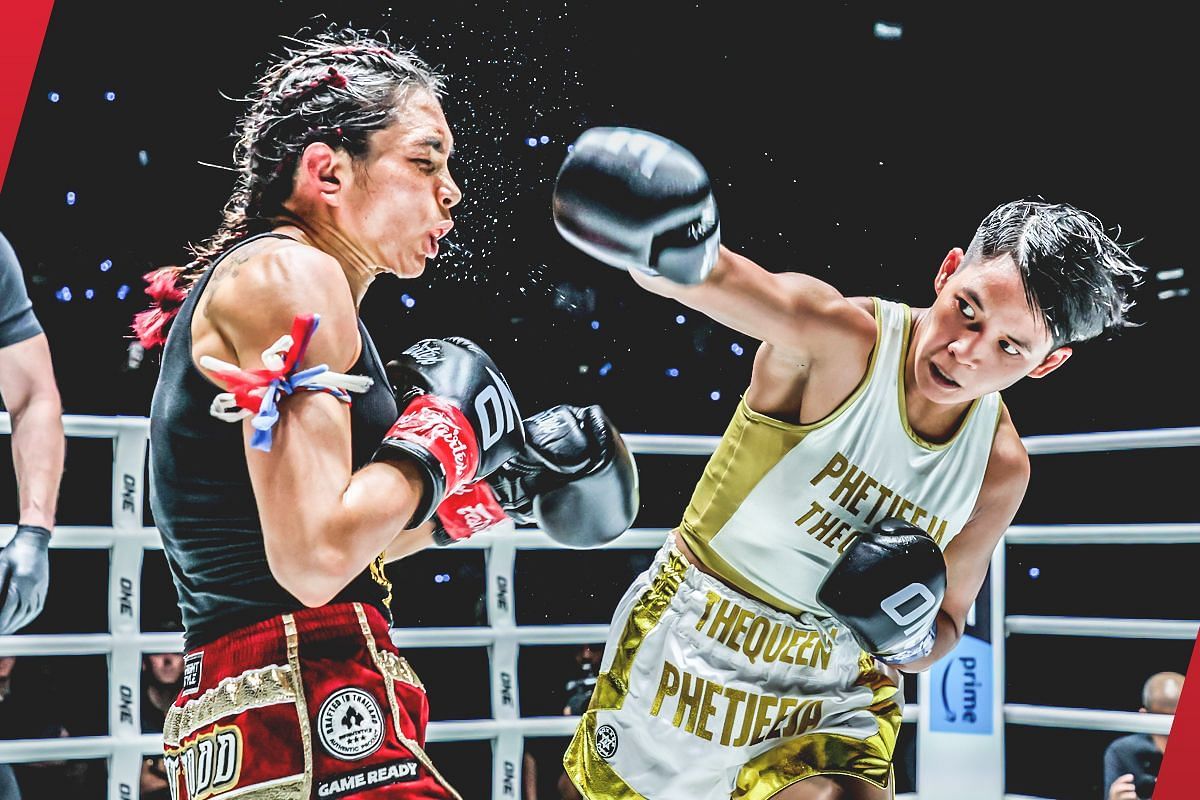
{"type": "Point", "coordinates": [854, 141]}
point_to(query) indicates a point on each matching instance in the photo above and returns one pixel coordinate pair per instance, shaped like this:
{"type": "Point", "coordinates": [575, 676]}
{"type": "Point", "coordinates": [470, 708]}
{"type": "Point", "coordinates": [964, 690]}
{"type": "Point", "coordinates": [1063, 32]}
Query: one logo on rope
{"type": "Point", "coordinates": [193, 666]}
{"type": "Point", "coordinates": [350, 724]}
{"type": "Point", "coordinates": [502, 593]}
{"type": "Point", "coordinates": [606, 741]}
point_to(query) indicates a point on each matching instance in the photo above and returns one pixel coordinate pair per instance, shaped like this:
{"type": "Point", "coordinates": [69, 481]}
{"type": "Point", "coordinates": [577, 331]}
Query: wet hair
{"type": "Point", "coordinates": [336, 87]}
{"type": "Point", "coordinates": [1074, 275]}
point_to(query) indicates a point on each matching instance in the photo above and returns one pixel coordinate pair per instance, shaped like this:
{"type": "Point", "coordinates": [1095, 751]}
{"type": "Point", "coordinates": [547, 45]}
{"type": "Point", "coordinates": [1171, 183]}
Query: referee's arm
{"type": "Point", "coordinates": [30, 395]}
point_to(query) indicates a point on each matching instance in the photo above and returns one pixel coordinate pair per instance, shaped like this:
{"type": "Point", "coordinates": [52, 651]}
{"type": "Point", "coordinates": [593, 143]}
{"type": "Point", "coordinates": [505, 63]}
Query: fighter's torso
{"type": "Point", "coordinates": [778, 501]}
{"type": "Point", "coordinates": [204, 504]}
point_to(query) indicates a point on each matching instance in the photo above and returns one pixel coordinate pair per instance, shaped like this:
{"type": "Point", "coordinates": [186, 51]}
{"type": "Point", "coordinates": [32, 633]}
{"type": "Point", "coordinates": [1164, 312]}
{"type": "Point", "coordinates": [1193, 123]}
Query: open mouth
{"type": "Point", "coordinates": [431, 238]}
{"type": "Point", "coordinates": [941, 378]}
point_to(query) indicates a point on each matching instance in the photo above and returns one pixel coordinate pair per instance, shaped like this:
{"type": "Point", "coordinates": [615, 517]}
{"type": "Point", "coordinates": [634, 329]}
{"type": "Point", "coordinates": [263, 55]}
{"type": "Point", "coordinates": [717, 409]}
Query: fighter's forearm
{"type": "Point", "coordinates": [790, 310]}
{"type": "Point", "coordinates": [410, 541]}
{"type": "Point", "coordinates": [947, 637]}
{"type": "Point", "coordinates": [38, 446]}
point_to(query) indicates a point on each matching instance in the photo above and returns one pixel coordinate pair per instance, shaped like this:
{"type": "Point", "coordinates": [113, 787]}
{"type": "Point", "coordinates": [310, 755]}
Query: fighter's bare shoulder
{"type": "Point", "coordinates": [806, 382]}
{"type": "Point", "coordinates": [825, 321]}
{"type": "Point", "coordinates": [1007, 474]}
{"type": "Point", "coordinates": [259, 293]}
{"type": "Point", "coordinates": [831, 325]}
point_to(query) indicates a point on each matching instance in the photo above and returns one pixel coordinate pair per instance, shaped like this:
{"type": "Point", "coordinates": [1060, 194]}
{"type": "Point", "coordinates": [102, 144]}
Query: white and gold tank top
{"type": "Point", "coordinates": [779, 502]}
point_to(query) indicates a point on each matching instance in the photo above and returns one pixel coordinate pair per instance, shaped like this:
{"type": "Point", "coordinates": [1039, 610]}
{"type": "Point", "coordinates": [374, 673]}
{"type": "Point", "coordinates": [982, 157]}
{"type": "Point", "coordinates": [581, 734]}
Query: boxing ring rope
{"type": "Point", "coordinates": [127, 539]}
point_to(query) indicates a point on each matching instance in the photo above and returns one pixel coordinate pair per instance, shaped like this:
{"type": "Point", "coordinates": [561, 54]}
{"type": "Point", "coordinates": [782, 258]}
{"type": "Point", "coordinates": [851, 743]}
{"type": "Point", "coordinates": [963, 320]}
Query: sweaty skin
{"type": "Point", "coordinates": [979, 333]}
{"type": "Point", "coordinates": [352, 223]}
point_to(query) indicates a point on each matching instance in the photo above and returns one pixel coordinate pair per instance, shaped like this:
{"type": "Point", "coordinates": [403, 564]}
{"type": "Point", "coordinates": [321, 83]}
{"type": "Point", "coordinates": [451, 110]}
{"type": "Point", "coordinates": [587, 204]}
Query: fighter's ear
{"type": "Point", "coordinates": [949, 266]}
{"type": "Point", "coordinates": [321, 172]}
{"type": "Point", "coordinates": [1056, 359]}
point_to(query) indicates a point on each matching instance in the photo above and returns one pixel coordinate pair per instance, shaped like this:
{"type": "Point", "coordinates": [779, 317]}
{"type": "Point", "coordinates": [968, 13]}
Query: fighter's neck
{"type": "Point", "coordinates": [934, 422]}
{"type": "Point", "coordinates": [355, 266]}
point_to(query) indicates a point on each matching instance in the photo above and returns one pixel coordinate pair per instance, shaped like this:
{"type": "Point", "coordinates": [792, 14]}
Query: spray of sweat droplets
{"type": "Point", "coordinates": [511, 104]}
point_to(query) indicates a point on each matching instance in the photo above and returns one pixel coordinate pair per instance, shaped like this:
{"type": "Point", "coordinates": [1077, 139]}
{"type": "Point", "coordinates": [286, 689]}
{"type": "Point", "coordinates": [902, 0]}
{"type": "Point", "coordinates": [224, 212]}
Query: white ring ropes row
{"type": "Point", "coordinates": [128, 538]}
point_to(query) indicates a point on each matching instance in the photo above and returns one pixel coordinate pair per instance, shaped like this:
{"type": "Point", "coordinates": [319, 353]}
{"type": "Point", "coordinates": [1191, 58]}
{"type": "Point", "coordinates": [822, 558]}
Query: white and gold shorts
{"type": "Point", "coordinates": [705, 693]}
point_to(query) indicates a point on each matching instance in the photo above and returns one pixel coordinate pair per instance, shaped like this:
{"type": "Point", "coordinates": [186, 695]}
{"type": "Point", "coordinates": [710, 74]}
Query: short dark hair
{"type": "Point", "coordinates": [1075, 275]}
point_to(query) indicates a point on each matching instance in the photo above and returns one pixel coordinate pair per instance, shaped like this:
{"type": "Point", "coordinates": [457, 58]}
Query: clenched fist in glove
{"type": "Point", "coordinates": [458, 422]}
{"type": "Point", "coordinates": [887, 587]}
{"type": "Point", "coordinates": [638, 201]}
{"type": "Point", "coordinates": [575, 478]}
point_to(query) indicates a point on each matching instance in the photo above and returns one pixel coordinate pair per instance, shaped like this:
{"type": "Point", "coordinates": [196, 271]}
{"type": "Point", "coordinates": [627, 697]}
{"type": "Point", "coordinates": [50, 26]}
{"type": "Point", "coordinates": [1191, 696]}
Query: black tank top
{"type": "Point", "coordinates": [201, 496]}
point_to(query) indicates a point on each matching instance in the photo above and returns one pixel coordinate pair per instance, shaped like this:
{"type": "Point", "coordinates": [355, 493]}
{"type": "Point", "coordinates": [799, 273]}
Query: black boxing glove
{"type": "Point", "coordinates": [575, 477]}
{"type": "Point", "coordinates": [887, 588]}
{"type": "Point", "coordinates": [24, 577]}
{"type": "Point", "coordinates": [459, 420]}
{"type": "Point", "coordinates": [637, 201]}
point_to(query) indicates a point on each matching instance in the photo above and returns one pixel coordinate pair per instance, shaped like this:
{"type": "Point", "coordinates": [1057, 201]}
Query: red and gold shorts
{"type": "Point", "coordinates": [312, 704]}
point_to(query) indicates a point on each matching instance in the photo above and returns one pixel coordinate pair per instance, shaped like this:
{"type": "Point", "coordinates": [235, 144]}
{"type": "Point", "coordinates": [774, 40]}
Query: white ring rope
{"type": "Point", "coordinates": [1107, 628]}
{"type": "Point", "coordinates": [1055, 444]}
{"type": "Point", "coordinates": [1154, 533]}
{"type": "Point", "coordinates": [1088, 719]}
{"type": "Point", "coordinates": [128, 538]}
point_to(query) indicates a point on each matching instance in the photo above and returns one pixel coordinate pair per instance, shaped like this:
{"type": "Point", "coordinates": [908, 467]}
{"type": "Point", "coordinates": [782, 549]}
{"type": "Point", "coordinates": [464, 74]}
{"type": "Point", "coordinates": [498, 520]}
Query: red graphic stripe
{"type": "Point", "coordinates": [1177, 776]}
{"type": "Point", "coordinates": [22, 29]}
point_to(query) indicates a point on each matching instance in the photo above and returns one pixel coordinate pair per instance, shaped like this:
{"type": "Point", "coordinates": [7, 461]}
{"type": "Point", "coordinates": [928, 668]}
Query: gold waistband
{"type": "Point", "coordinates": [255, 688]}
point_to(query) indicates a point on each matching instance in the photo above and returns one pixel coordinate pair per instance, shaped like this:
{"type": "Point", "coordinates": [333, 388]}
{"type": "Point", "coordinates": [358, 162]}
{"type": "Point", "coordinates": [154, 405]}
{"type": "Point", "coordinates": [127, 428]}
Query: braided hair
{"type": "Point", "coordinates": [337, 88]}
